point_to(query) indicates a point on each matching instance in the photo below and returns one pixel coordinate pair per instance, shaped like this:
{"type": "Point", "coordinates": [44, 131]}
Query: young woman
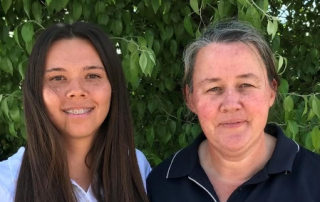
{"type": "Point", "coordinates": [80, 139]}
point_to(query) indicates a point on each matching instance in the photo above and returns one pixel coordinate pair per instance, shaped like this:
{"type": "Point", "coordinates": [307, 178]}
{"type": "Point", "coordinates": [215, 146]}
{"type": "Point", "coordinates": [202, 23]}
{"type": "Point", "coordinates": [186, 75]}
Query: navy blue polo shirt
{"type": "Point", "coordinates": [291, 175]}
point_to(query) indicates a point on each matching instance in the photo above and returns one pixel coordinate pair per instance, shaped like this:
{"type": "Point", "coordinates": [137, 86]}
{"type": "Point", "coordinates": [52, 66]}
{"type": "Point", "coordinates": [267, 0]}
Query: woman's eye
{"type": "Point", "coordinates": [93, 76]}
{"type": "Point", "coordinates": [215, 89]}
{"type": "Point", "coordinates": [245, 85]}
{"type": "Point", "coordinates": [57, 78]}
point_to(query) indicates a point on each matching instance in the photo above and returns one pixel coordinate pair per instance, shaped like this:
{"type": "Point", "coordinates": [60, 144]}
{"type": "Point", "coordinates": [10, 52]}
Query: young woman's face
{"type": "Point", "coordinates": [231, 95]}
{"type": "Point", "coordinates": [76, 89]}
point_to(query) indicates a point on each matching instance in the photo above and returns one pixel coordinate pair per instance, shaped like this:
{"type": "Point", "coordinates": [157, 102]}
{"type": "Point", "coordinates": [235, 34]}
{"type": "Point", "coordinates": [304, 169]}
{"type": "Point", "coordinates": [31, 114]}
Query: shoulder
{"type": "Point", "coordinates": [309, 159]}
{"type": "Point", "coordinates": [160, 172]}
{"type": "Point", "coordinates": [144, 166]}
{"type": "Point", "coordinates": [9, 171]}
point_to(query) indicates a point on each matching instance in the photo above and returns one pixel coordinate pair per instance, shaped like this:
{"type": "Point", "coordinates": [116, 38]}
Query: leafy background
{"type": "Point", "coordinates": [150, 36]}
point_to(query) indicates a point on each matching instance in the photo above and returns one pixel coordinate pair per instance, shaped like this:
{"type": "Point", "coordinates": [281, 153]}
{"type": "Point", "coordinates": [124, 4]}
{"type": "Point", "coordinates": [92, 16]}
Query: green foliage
{"type": "Point", "coordinates": [151, 35]}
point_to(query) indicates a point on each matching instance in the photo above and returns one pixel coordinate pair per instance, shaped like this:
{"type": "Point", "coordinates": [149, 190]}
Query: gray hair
{"type": "Point", "coordinates": [228, 32]}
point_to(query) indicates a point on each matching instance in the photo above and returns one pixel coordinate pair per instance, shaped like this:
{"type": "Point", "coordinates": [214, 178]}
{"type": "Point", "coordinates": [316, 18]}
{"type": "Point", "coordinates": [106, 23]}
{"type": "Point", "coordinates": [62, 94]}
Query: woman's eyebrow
{"type": "Point", "coordinates": [210, 80]}
{"type": "Point", "coordinates": [249, 76]}
{"type": "Point", "coordinates": [55, 69]}
{"type": "Point", "coordinates": [93, 67]}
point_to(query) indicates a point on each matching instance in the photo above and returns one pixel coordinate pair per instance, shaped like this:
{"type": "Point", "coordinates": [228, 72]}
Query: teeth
{"type": "Point", "coordinates": [77, 111]}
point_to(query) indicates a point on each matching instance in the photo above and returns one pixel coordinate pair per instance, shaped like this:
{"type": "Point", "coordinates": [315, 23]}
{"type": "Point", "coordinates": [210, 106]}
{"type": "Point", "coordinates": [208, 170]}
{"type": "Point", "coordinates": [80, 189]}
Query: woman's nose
{"type": "Point", "coordinates": [231, 101]}
{"type": "Point", "coordinates": [76, 89]}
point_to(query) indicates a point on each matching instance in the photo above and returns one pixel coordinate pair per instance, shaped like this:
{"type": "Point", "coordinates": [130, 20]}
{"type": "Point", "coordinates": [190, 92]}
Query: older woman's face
{"type": "Point", "coordinates": [231, 95]}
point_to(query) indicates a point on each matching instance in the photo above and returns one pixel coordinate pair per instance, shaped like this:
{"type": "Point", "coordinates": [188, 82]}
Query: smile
{"type": "Point", "coordinates": [78, 111]}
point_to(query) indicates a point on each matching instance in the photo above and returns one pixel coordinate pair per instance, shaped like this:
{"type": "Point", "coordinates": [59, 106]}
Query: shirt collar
{"type": "Point", "coordinates": [187, 159]}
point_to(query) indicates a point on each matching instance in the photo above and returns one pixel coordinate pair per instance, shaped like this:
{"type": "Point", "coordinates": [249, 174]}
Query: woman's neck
{"type": "Point", "coordinates": [238, 167]}
{"type": "Point", "coordinates": [78, 162]}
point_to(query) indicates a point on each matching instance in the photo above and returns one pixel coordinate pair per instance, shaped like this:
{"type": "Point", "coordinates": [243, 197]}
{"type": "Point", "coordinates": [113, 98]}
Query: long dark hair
{"type": "Point", "coordinates": [44, 174]}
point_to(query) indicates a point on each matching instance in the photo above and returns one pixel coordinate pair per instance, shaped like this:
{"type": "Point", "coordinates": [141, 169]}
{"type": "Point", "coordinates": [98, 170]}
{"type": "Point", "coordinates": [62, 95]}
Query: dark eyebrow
{"type": "Point", "coordinates": [93, 67]}
{"type": "Point", "coordinates": [60, 69]}
{"type": "Point", "coordinates": [54, 69]}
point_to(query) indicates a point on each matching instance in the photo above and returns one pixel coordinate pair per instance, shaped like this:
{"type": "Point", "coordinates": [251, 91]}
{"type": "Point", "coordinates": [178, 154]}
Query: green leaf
{"type": "Point", "coordinates": [5, 107]}
{"type": "Point", "coordinates": [15, 114]}
{"type": "Point", "coordinates": [134, 70]}
{"type": "Point", "coordinates": [293, 127]}
{"type": "Point", "coordinates": [155, 5]}
{"type": "Point", "coordinates": [314, 53]}
{"type": "Point", "coordinates": [175, 17]}
{"type": "Point", "coordinates": [27, 32]}
{"type": "Point", "coordinates": [118, 27]}
{"type": "Point", "coordinates": [151, 55]}
{"type": "Point", "coordinates": [305, 105]}
{"type": "Point", "coordinates": [149, 37]}
{"type": "Point", "coordinates": [167, 136]}
{"type": "Point", "coordinates": [272, 27]}
{"type": "Point", "coordinates": [194, 5]}
{"type": "Point", "coordinates": [284, 87]}
{"type": "Point", "coordinates": [187, 25]}
{"type": "Point", "coordinates": [29, 46]}
{"type": "Point", "coordinates": [195, 130]}
{"type": "Point", "coordinates": [280, 63]}
{"type": "Point", "coordinates": [22, 69]}
{"type": "Point", "coordinates": [178, 30]}
{"type": "Point", "coordinates": [173, 47]}
{"type": "Point", "coordinates": [169, 83]}
{"type": "Point", "coordinates": [6, 65]}
{"type": "Point", "coordinates": [182, 140]}
{"type": "Point", "coordinates": [316, 106]}
{"type": "Point", "coordinates": [143, 61]}
{"type": "Point", "coordinates": [64, 3]}
{"type": "Point", "coordinates": [243, 2]}
{"type": "Point", "coordinates": [37, 11]}
{"type": "Point", "coordinates": [103, 19]}
{"type": "Point", "coordinates": [156, 47]}
{"type": "Point", "coordinates": [310, 115]}
{"type": "Point", "coordinates": [169, 32]}
{"type": "Point", "coordinates": [315, 135]}
{"type": "Point", "coordinates": [132, 46]}
{"type": "Point", "coordinates": [150, 64]}
{"type": "Point", "coordinates": [302, 50]}
{"type": "Point", "coordinates": [12, 130]}
{"type": "Point", "coordinates": [99, 8]}
{"type": "Point", "coordinates": [141, 107]}
{"type": "Point", "coordinates": [150, 136]}
{"type": "Point", "coordinates": [77, 11]}
{"type": "Point", "coordinates": [224, 8]}
{"type": "Point", "coordinates": [263, 4]}
{"type": "Point", "coordinates": [26, 7]}
{"type": "Point", "coordinates": [152, 105]}
{"type": "Point", "coordinates": [142, 41]}
{"type": "Point", "coordinates": [252, 16]}
{"type": "Point", "coordinates": [16, 36]}
{"type": "Point", "coordinates": [172, 126]}
{"type": "Point", "coordinates": [48, 2]}
{"type": "Point", "coordinates": [6, 5]}
{"type": "Point", "coordinates": [126, 18]}
{"type": "Point", "coordinates": [288, 104]}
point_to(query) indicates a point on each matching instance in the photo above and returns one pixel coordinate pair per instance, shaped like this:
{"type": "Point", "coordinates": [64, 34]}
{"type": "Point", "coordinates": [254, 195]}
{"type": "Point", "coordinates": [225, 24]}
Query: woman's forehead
{"type": "Point", "coordinates": [231, 60]}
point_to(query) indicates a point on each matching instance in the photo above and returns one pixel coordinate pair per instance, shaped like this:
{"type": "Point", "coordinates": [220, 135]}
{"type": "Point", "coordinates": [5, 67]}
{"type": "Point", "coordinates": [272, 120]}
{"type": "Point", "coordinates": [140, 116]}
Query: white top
{"type": "Point", "coordinates": [9, 171]}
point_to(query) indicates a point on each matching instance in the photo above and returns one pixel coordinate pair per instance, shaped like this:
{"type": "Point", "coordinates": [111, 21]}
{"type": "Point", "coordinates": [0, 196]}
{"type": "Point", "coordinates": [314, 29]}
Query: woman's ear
{"type": "Point", "coordinates": [189, 99]}
{"type": "Point", "coordinates": [274, 90]}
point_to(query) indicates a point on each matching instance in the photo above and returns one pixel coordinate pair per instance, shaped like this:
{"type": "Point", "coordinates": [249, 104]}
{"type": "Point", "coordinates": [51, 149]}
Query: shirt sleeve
{"type": "Point", "coordinates": [144, 166]}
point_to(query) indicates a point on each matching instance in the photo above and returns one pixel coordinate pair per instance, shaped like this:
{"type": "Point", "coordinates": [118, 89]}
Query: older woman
{"type": "Point", "coordinates": [230, 83]}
